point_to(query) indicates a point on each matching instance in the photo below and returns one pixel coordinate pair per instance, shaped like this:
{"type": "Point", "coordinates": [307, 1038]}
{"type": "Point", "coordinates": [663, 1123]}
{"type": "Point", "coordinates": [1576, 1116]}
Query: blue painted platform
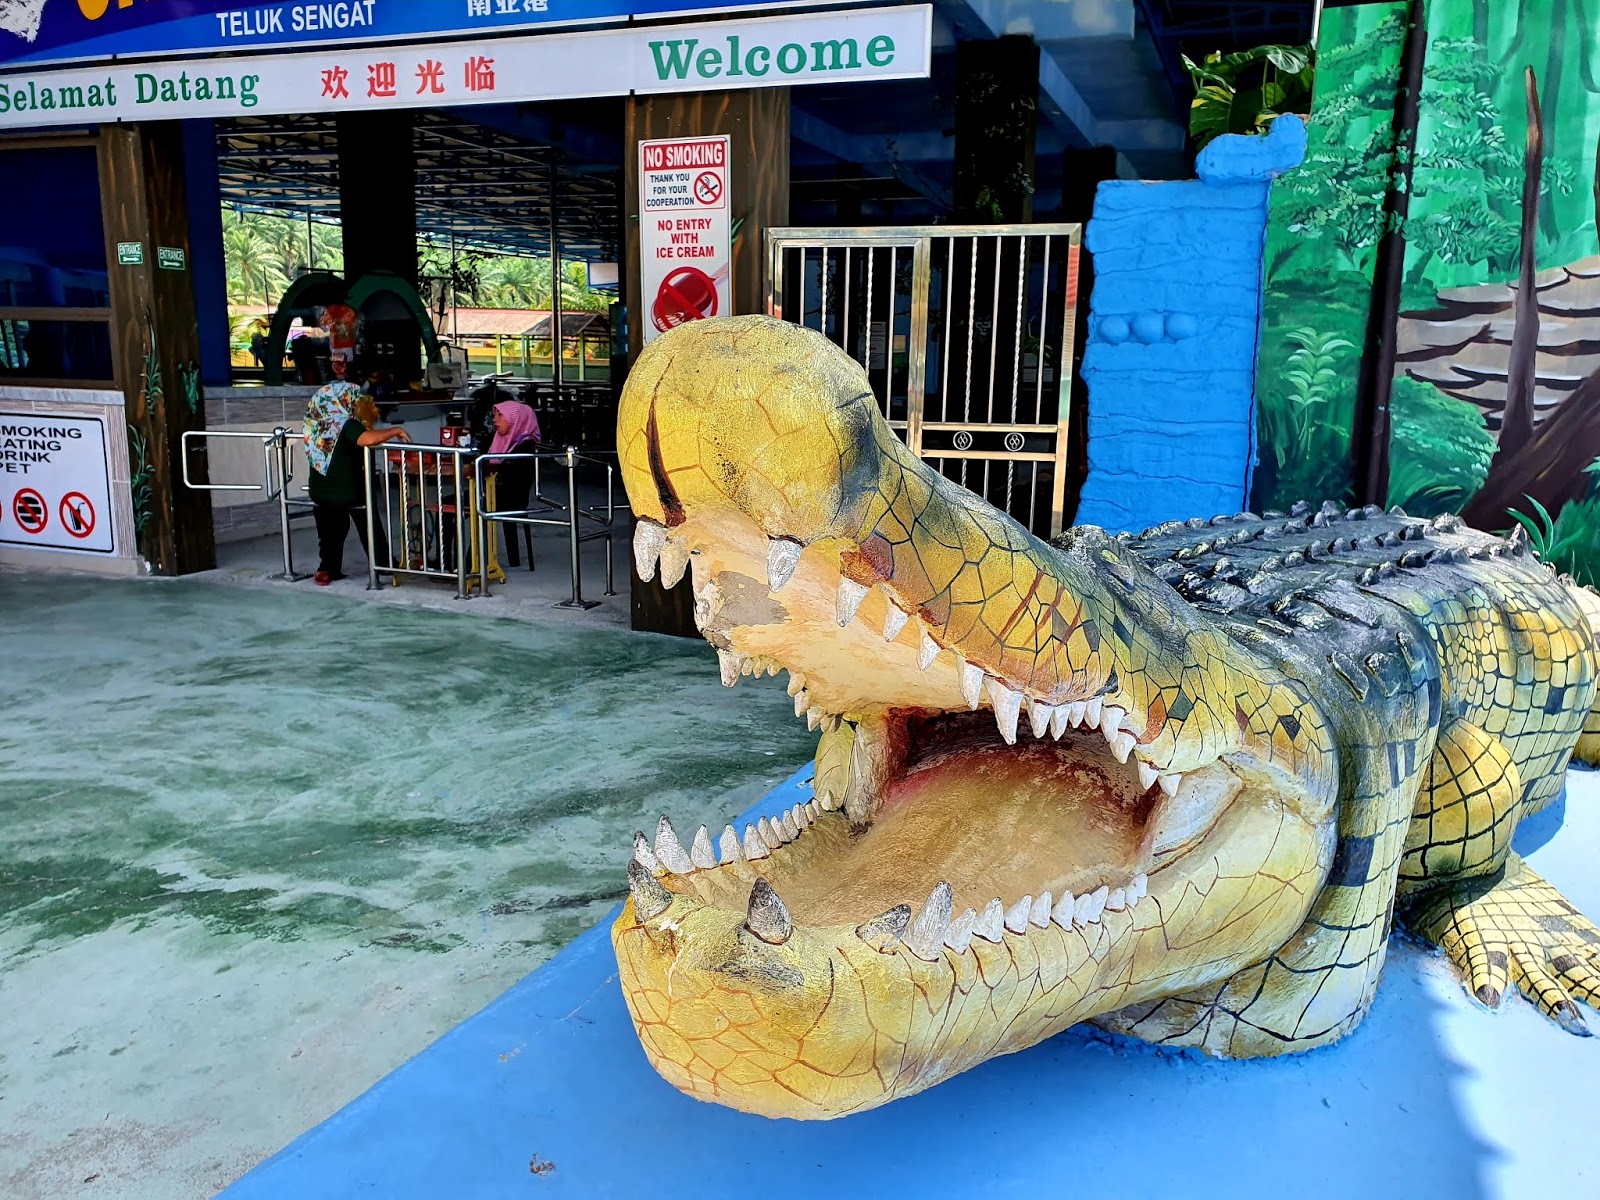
{"type": "Point", "coordinates": [547, 1093]}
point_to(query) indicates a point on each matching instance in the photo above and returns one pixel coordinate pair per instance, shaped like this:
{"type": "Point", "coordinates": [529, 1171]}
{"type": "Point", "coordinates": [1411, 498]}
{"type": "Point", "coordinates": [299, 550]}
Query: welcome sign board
{"type": "Point", "coordinates": [824, 47]}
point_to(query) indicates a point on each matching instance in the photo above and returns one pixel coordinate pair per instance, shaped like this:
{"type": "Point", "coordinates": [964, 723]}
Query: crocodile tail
{"type": "Point", "coordinates": [1588, 748]}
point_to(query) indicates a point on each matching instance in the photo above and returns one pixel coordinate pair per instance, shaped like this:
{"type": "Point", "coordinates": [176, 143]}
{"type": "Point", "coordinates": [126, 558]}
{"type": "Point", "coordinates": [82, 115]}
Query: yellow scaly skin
{"type": "Point", "coordinates": [1281, 789]}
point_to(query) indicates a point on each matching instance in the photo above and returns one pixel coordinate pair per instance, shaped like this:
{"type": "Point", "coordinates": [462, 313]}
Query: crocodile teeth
{"type": "Point", "coordinates": [1139, 888]}
{"type": "Point", "coordinates": [1111, 720]}
{"type": "Point", "coordinates": [1060, 719]}
{"type": "Point", "coordinates": [925, 934]}
{"type": "Point", "coordinates": [1061, 914]}
{"type": "Point", "coordinates": [1039, 915]}
{"type": "Point", "coordinates": [1091, 712]}
{"type": "Point", "coordinates": [1089, 907]}
{"type": "Point", "coordinates": [971, 684]}
{"type": "Point", "coordinates": [767, 918]}
{"type": "Point", "coordinates": [1170, 784]}
{"type": "Point", "coordinates": [1007, 704]}
{"type": "Point", "coordinates": [959, 936]}
{"type": "Point", "coordinates": [731, 667]}
{"type": "Point", "coordinates": [769, 834]}
{"type": "Point", "coordinates": [788, 828]}
{"type": "Point", "coordinates": [1122, 745]}
{"type": "Point", "coordinates": [802, 817]}
{"type": "Point", "coordinates": [883, 931]}
{"type": "Point", "coordinates": [801, 703]}
{"type": "Point", "coordinates": [894, 620]}
{"type": "Point", "coordinates": [849, 598]}
{"type": "Point", "coordinates": [648, 539]}
{"type": "Point", "coordinates": [812, 811]}
{"type": "Point", "coordinates": [650, 899]}
{"type": "Point", "coordinates": [1117, 900]}
{"type": "Point", "coordinates": [674, 559]}
{"type": "Point", "coordinates": [700, 852]}
{"type": "Point", "coordinates": [927, 651]}
{"type": "Point", "coordinates": [670, 850]}
{"type": "Point", "coordinates": [813, 719]}
{"type": "Point", "coordinates": [643, 855]}
{"type": "Point", "coordinates": [1075, 712]}
{"type": "Point", "coordinates": [796, 684]}
{"type": "Point", "coordinates": [1147, 775]}
{"type": "Point", "coordinates": [1017, 915]}
{"type": "Point", "coordinates": [1039, 716]}
{"type": "Point", "coordinates": [991, 923]}
{"type": "Point", "coordinates": [754, 847]}
{"type": "Point", "coordinates": [783, 555]}
{"type": "Point", "coordinates": [728, 845]}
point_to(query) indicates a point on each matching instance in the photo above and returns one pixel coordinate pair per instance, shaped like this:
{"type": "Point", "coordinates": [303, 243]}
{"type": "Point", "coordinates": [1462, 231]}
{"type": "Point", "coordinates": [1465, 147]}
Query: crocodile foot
{"type": "Point", "coordinates": [1516, 929]}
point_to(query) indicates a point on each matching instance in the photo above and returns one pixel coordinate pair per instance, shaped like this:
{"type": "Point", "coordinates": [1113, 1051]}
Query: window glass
{"type": "Point", "coordinates": [52, 241]}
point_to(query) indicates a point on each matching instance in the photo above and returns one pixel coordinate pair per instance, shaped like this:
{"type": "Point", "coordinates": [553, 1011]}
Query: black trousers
{"type": "Point", "coordinates": [333, 526]}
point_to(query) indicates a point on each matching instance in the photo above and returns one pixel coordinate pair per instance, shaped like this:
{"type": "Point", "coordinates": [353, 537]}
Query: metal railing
{"type": "Point", "coordinates": [575, 514]}
{"type": "Point", "coordinates": [279, 475]}
{"type": "Point", "coordinates": [422, 473]}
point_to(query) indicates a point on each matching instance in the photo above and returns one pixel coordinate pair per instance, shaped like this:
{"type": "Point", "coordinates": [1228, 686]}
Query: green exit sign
{"type": "Point", "coordinates": [130, 254]}
{"type": "Point", "coordinates": [169, 258]}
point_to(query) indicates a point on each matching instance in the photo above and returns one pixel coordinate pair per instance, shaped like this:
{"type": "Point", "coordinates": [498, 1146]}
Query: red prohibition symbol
{"type": "Point", "coordinates": [686, 294]}
{"type": "Point", "coordinates": [77, 514]}
{"type": "Point", "coordinates": [28, 507]}
{"type": "Point", "coordinates": [708, 187]}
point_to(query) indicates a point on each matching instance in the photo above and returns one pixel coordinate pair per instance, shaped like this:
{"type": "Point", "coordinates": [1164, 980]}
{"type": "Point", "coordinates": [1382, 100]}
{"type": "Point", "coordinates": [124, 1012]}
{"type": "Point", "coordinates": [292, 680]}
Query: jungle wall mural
{"type": "Point", "coordinates": [1466, 435]}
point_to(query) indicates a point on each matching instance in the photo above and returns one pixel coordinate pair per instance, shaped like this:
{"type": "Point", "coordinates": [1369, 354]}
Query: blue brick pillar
{"type": "Point", "coordinates": [1173, 326]}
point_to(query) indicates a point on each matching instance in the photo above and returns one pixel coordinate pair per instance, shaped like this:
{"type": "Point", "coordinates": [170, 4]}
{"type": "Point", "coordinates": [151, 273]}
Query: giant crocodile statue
{"type": "Point", "coordinates": [1180, 784]}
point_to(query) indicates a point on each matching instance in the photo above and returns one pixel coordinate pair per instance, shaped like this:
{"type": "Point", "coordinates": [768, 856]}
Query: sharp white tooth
{"type": "Point", "coordinates": [813, 809]}
{"type": "Point", "coordinates": [813, 718]}
{"type": "Point", "coordinates": [1140, 886]}
{"type": "Point", "coordinates": [796, 684]}
{"type": "Point", "coordinates": [1171, 783]}
{"type": "Point", "coordinates": [783, 554]}
{"type": "Point", "coordinates": [670, 850]}
{"type": "Point", "coordinates": [1089, 906]}
{"type": "Point", "coordinates": [802, 819]}
{"type": "Point", "coordinates": [645, 856]}
{"type": "Point", "coordinates": [991, 923]}
{"type": "Point", "coordinates": [1017, 915]}
{"type": "Point", "coordinates": [1061, 914]}
{"type": "Point", "coordinates": [801, 703]}
{"type": "Point", "coordinates": [648, 538]}
{"type": "Point", "coordinates": [1091, 712]}
{"type": "Point", "coordinates": [971, 684]}
{"type": "Point", "coordinates": [1075, 712]}
{"type": "Point", "coordinates": [754, 847]}
{"type": "Point", "coordinates": [705, 600]}
{"type": "Point", "coordinates": [650, 899]}
{"type": "Point", "coordinates": [894, 620]}
{"type": "Point", "coordinates": [849, 598]}
{"type": "Point", "coordinates": [1122, 746]}
{"type": "Point", "coordinates": [1117, 900]}
{"type": "Point", "coordinates": [828, 802]}
{"type": "Point", "coordinates": [925, 935]}
{"type": "Point", "coordinates": [674, 560]}
{"type": "Point", "coordinates": [788, 828]}
{"type": "Point", "coordinates": [927, 651]}
{"type": "Point", "coordinates": [1111, 720]}
{"type": "Point", "coordinates": [728, 845]}
{"type": "Point", "coordinates": [1039, 716]}
{"type": "Point", "coordinates": [1040, 914]}
{"type": "Point", "coordinates": [1060, 719]}
{"type": "Point", "coordinates": [959, 936]}
{"type": "Point", "coordinates": [700, 852]}
{"type": "Point", "coordinates": [728, 665]}
{"type": "Point", "coordinates": [769, 834]}
{"type": "Point", "coordinates": [1006, 706]}
{"type": "Point", "coordinates": [1147, 774]}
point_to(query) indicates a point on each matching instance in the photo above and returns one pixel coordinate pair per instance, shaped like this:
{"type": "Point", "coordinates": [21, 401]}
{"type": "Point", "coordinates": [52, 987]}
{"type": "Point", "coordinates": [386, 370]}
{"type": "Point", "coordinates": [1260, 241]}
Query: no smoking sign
{"type": "Point", "coordinates": [55, 488]}
{"type": "Point", "coordinates": [685, 248]}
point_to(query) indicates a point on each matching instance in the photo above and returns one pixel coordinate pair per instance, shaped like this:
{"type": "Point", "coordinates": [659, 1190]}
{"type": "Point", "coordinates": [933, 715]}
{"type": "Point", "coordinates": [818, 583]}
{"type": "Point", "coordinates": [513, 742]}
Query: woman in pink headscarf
{"type": "Point", "coordinates": [516, 431]}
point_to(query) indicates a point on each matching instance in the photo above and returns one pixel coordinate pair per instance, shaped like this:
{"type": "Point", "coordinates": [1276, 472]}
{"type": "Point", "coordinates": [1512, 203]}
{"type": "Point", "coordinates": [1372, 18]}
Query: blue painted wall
{"type": "Point", "coordinates": [206, 268]}
{"type": "Point", "coordinates": [1174, 323]}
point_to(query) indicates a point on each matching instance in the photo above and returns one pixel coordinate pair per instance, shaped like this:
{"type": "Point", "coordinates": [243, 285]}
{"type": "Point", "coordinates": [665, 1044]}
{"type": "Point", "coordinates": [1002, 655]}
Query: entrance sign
{"type": "Point", "coordinates": [685, 256]}
{"type": "Point", "coordinates": [37, 32]}
{"type": "Point", "coordinates": [130, 254]}
{"type": "Point", "coordinates": [821, 47]}
{"type": "Point", "coordinates": [55, 491]}
{"type": "Point", "coordinates": [170, 258]}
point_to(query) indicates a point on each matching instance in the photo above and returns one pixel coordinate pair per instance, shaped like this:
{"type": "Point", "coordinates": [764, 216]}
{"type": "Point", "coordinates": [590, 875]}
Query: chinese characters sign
{"type": "Point", "coordinates": [684, 251]}
{"type": "Point", "coordinates": [824, 47]}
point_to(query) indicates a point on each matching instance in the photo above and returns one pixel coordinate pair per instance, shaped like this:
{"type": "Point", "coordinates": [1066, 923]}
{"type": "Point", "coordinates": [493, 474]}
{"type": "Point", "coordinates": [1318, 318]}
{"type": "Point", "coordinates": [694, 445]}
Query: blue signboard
{"type": "Point", "coordinates": [34, 32]}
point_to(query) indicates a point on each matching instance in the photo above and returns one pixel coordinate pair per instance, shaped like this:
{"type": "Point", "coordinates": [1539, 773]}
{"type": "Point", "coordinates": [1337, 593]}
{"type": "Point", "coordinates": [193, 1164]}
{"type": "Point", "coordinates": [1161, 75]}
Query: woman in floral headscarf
{"type": "Point", "coordinates": [339, 423]}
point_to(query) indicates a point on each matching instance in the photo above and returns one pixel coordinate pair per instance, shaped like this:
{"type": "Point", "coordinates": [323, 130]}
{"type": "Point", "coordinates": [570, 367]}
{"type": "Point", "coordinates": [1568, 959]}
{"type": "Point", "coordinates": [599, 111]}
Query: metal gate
{"type": "Point", "coordinates": [966, 335]}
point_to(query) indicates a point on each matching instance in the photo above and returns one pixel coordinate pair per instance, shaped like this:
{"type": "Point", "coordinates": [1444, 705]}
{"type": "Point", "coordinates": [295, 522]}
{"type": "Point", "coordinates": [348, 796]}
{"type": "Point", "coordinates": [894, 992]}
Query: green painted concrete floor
{"type": "Point", "coordinates": [260, 846]}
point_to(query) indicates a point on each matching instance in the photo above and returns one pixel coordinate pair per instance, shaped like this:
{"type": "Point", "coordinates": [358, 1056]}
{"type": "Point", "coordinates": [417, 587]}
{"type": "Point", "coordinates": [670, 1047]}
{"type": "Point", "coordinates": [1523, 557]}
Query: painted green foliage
{"type": "Point", "coordinates": [1463, 231]}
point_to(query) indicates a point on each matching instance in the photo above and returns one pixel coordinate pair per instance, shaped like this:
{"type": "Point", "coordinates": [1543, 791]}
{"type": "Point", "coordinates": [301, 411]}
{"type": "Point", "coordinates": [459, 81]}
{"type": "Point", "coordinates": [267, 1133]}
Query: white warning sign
{"type": "Point", "coordinates": [684, 251]}
{"type": "Point", "coordinates": [55, 492]}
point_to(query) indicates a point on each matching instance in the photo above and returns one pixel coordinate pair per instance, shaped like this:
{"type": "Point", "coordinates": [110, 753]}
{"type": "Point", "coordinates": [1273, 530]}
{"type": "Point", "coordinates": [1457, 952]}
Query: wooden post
{"type": "Point", "coordinates": [154, 338]}
{"type": "Point", "coordinates": [757, 125]}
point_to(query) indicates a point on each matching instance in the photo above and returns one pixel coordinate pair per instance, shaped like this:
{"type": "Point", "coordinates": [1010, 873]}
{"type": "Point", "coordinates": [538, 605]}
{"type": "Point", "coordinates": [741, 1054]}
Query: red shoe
{"type": "Point", "coordinates": [322, 579]}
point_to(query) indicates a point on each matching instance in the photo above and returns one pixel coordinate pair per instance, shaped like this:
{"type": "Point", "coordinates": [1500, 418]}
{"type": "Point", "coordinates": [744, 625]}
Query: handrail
{"type": "Point", "coordinates": [275, 446]}
{"type": "Point", "coordinates": [406, 450]}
